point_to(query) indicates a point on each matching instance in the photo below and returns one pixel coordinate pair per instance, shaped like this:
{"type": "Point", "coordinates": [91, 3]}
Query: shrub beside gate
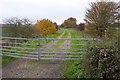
{"type": "Point", "coordinates": [102, 60]}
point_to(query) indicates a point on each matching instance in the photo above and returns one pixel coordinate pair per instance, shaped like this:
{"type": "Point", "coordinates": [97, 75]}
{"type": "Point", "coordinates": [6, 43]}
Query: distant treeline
{"type": "Point", "coordinates": [72, 23]}
{"type": "Point", "coordinates": [15, 27]}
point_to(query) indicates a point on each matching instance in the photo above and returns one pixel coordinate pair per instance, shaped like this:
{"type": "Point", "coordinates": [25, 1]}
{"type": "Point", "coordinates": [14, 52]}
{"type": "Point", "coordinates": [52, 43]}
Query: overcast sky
{"type": "Point", "coordinates": [55, 10]}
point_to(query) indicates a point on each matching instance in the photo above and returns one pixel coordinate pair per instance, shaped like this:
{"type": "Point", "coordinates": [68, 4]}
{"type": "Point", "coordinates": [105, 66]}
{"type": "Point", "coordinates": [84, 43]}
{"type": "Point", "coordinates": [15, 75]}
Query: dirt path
{"type": "Point", "coordinates": [23, 68]}
{"type": "Point", "coordinates": [49, 45]}
{"type": "Point", "coordinates": [65, 45]}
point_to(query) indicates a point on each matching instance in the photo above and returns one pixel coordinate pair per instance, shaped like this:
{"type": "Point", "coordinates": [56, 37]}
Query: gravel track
{"type": "Point", "coordinates": [24, 68]}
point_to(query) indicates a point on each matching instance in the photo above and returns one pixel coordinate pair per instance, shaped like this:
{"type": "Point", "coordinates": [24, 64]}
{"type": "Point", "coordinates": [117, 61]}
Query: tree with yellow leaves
{"type": "Point", "coordinates": [45, 27]}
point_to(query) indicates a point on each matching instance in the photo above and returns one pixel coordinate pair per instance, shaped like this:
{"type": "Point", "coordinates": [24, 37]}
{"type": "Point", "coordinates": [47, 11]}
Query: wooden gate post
{"type": "Point", "coordinates": [39, 51]}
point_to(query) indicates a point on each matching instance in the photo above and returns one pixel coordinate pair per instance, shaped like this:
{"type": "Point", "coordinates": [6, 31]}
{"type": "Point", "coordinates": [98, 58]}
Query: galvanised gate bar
{"type": "Point", "coordinates": [43, 48]}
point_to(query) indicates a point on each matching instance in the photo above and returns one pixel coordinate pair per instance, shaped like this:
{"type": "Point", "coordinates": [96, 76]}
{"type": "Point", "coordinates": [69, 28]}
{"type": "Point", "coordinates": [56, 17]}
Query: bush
{"type": "Point", "coordinates": [45, 27]}
{"type": "Point", "coordinates": [102, 59]}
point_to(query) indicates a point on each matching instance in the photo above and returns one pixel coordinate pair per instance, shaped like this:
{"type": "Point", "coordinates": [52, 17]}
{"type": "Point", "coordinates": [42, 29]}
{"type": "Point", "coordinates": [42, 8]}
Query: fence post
{"type": "Point", "coordinates": [39, 51]}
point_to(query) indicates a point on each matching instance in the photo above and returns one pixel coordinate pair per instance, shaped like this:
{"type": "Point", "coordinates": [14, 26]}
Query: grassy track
{"type": "Point", "coordinates": [72, 68]}
{"type": "Point", "coordinates": [61, 41]}
{"type": "Point", "coordinates": [33, 44]}
{"type": "Point", "coordinates": [76, 34]}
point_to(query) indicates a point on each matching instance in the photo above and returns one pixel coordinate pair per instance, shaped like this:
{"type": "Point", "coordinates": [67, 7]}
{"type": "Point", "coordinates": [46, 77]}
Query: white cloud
{"type": "Point", "coordinates": [56, 10]}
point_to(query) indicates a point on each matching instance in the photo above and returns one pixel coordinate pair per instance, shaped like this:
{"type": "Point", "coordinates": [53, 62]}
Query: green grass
{"type": "Point", "coordinates": [60, 41]}
{"type": "Point", "coordinates": [6, 60]}
{"type": "Point", "coordinates": [76, 34]}
{"type": "Point", "coordinates": [64, 36]}
{"type": "Point", "coordinates": [73, 68]}
{"type": "Point", "coordinates": [56, 34]}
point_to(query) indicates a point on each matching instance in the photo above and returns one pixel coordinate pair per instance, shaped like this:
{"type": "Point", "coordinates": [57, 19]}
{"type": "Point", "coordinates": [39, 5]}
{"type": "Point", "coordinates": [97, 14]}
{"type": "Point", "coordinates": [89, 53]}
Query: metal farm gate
{"type": "Point", "coordinates": [43, 48]}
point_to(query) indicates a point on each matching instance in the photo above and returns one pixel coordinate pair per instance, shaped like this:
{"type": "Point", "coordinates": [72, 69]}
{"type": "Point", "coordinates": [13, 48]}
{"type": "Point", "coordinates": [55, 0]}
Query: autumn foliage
{"type": "Point", "coordinates": [70, 22]}
{"type": "Point", "coordinates": [45, 27]}
{"type": "Point", "coordinates": [100, 19]}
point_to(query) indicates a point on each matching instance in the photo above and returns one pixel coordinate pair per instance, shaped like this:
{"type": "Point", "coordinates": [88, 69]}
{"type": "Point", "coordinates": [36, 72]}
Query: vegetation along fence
{"type": "Point", "coordinates": [43, 48]}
